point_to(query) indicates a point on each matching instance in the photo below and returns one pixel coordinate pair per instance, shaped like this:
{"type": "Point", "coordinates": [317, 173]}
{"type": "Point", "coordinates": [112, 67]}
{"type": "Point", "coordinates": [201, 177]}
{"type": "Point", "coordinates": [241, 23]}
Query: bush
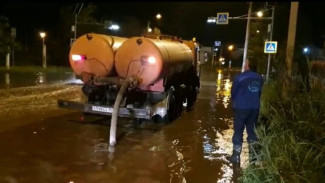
{"type": "Point", "coordinates": [292, 137]}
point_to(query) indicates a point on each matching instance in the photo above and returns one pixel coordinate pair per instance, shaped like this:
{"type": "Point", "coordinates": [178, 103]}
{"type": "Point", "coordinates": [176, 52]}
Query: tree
{"type": "Point", "coordinates": [5, 39]}
{"type": "Point", "coordinates": [258, 36]}
{"type": "Point", "coordinates": [60, 45]}
{"type": "Point", "coordinates": [7, 43]}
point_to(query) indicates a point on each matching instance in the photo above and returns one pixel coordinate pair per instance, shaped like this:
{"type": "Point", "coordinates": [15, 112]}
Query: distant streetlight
{"type": "Point", "coordinates": [230, 47]}
{"type": "Point", "coordinates": [211, 20]}
{"type": "Point", "coordinates": [149, 29]}
{"type": "Point", "coordinates": [260, 14]}
{"type": "Point", "coordinates": [158, 16]}
{"type": "Point", "coordinates": [306, 50]}
{"type": "Point", "coordinates": [114, 27]}
{"type": "Point", "coordinates": [257, 31]}
{"type": "Point", "coordinates": [43, 35]}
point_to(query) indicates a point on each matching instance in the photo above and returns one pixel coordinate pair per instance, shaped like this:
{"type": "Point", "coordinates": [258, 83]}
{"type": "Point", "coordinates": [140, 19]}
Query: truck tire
{"type": "Point", "coordinates": [171, 107]}
{"type": "Point", "coordinates": [192, 95]}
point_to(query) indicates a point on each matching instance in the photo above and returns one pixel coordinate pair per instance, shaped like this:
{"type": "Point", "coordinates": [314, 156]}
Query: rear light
{"type": "Point", "coordinates": [148, 60]}
{"type": "Point", "coordinates": [78, 58]}
{"type": "Point", "coordinates": [152, 60]}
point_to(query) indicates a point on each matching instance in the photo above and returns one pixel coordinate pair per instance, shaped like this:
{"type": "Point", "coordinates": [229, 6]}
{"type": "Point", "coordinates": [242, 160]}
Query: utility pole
{"type": "Point", "coordinates": [75, 26]}
{"type": "Point", "coordinates": [291, 43]}
{"type": "Point", "coordinates": [8, 59]}
{"type": "Point", "coordinates": [13, 37]}
{"type": "Point", "coordinates": [247, 36]}
{"type": "Point", "coordinates": [76, 12]}
{"type": "Point", "coordinates": [269, 56]}
{"type": "Point", "coordinates": [43, 35]}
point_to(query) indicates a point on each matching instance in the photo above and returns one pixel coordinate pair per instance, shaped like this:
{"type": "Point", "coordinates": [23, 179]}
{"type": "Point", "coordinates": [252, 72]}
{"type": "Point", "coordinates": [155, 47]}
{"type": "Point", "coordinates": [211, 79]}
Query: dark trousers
{"type": "Point", "coordinates": [245, 118]}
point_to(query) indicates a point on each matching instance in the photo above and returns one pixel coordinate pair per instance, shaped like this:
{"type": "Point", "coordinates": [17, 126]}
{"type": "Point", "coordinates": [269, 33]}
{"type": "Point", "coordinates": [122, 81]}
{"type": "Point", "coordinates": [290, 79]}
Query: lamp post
{"type": "Point", "coordinates": [158, 18]}
{"type": "Point", "coordinates": [43, 34]}
{"type": "Point", "coordinates": [74, 27]}
{"type": "Point", "coordinates": [230, 49]}
{"type": "Point", "coordinates": [269, 56]}
{"type": "Point", "coordinates": [149, 30]}
{"type": "Point", "coordinates": [247, 36]}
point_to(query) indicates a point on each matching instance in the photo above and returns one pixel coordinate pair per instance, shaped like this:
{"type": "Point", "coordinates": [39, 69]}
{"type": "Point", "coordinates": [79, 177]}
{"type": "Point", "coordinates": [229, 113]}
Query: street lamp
{"type": "Point", "coordinates": [306, 50]}
{"type": "Point", "coordinates": [43, 35]}
{"type": "Point", "coordinates": [211, 20]}
{"type": "Point", "coordinates": [230, 47]}
{"type": "Point", "coordinates": [114, 27]}
{"type": "Point", "coordinates": [260, 14]}
{"type": "Point", "coordinates": [158, 16]}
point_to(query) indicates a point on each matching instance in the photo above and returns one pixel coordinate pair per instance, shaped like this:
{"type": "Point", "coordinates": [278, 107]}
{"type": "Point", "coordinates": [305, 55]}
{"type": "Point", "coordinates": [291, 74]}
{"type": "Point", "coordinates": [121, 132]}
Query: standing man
{"type": "Point", "coordinates": [245, 95]}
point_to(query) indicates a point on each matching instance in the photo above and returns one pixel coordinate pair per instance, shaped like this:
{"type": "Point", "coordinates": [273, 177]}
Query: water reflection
{"type": "Point", "coordinates": [73, 80]}
{"type": "Point", "coordinates": [40, 79]}
{"type": "Point", "coordinates": [223, 85]}
{"type": "Point", "coordinates": [13, 79]}
{"type": "Point", "coordinates": [219, 145]}
{"type": "Point", "coordinates": [180, 166]}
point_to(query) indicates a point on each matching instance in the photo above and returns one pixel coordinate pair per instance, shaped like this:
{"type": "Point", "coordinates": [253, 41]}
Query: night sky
{"type": "Point", "coordinates": [183, 19]}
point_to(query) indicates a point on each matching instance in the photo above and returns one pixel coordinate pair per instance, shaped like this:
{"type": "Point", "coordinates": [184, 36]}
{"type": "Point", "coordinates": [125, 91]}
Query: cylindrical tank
{"type": "Point", "coordinates": [94, 54]}
{"type": "Point", "coordinates": [151, 59]}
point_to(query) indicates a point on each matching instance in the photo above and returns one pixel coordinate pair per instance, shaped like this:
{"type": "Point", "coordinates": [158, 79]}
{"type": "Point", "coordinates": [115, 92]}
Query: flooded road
{"type": "Point", "coordinates": [9, 79]}
{"type": "Point", "coordinates": [72, 148]}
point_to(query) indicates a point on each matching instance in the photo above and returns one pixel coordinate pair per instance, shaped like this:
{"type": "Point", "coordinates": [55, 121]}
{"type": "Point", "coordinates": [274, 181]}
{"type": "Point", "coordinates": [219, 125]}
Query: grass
{"type": "Point", "coordinates": [291, 137]}
{"type": "Point", "coordinates": [24, 69]}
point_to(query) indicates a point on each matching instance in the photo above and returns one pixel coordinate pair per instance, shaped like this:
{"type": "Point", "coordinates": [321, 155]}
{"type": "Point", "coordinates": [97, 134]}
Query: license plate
{"type": "Point", "coordinates": [102, 109]}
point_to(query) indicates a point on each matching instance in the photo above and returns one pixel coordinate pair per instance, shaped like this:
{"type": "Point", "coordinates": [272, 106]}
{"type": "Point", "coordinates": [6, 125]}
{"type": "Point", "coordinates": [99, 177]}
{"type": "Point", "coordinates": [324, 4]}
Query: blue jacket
{"type": "Point", "coordinates": [246, 90]}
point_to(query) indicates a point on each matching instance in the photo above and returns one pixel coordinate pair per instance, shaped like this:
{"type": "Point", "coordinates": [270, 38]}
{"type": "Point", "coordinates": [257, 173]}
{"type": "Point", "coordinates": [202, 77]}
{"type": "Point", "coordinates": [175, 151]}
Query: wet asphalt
{"type": "Point", "coordinates": [73, 148]}
{"type": "Point", "coordinates": [23, 79]}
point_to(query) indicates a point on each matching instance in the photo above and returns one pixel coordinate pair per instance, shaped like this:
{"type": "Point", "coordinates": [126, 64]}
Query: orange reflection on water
{"type": "Point", "coordinates": [223, 85]}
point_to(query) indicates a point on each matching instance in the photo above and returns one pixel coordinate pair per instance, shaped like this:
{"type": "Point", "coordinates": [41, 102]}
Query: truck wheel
{"type": "Point", "coordinates": [179, 101]}
{"type": "Point", "coordinates": [191, 97]}
{"type": "Point", "coordinates": [171, 107]}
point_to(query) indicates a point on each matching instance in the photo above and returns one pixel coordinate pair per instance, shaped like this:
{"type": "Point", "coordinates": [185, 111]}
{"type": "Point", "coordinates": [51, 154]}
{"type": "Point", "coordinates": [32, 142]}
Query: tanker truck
{"type": "Point", "coordinates": [141, 77]}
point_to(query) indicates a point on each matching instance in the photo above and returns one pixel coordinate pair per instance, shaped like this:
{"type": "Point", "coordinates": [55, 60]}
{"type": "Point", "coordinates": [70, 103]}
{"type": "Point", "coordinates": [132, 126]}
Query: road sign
{"type": "Point", "coordinates": [222, 18]}
{"type": "Point", "coordinates": [270, 46]}
{"type": "Point", "coordinates": [217, 43]}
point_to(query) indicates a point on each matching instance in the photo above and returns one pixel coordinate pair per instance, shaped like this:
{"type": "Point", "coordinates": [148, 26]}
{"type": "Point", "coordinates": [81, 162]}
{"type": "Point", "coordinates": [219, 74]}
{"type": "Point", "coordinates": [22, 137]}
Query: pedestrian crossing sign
{"type": "Point", "coordinates": [222, 18]}
{"type": "Point", "coordinates": [270, 46]}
